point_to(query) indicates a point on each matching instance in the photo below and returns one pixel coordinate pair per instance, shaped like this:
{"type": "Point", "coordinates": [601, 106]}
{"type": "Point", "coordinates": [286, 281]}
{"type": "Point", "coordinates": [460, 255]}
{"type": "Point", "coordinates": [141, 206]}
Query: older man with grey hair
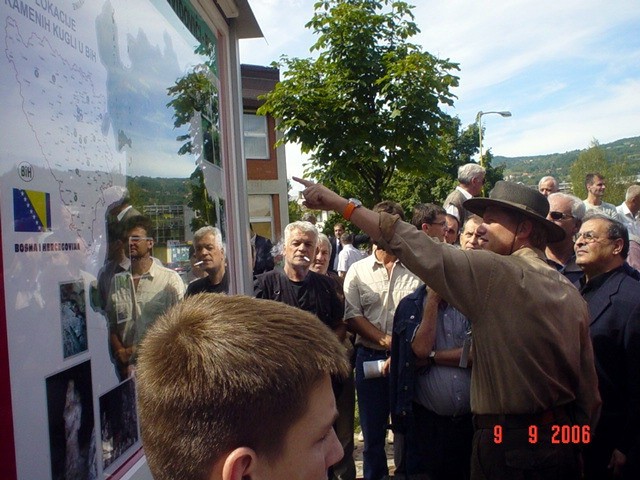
{"type": "Point", "coordinates": [471, 180]}
{"type": "Point", "coordinates": [567, 212]}
{"type": "Point", "coordinates": [548, 185]}
{"type": "Point", "coordinates": [296, 284]}
{"type": "Point", "coordinates": [210, 256]}
{"type": "Point", "coordinates": [611, 293]}
{"type": "Point", "coordinates": [628, 210]}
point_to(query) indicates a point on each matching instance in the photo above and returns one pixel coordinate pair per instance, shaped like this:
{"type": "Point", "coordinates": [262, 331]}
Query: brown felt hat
{"type": "Point", "coordinates": [521, 199]}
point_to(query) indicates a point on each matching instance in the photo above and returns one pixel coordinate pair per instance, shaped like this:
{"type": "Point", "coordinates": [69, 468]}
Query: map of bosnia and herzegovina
{"type": "Point", "coordinates": [67, 120]}
{"type": "Point", "coordinates": [96, 119]}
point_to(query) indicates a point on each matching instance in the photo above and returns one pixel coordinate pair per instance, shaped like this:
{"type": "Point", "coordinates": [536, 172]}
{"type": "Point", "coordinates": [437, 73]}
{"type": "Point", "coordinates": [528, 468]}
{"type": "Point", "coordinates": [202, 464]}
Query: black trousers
{"type": "Point", "coordinates": [443, 444]}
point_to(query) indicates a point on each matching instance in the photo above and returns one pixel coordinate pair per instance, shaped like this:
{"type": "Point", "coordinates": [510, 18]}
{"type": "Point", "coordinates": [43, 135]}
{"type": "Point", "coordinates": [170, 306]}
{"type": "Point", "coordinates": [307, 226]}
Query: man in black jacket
{"type": "Point", "coordinates": [296, 285]}
{"type": "Point", "coordinates": [263, 257]}
{"type": "Point", "coordinates": [613, 297]}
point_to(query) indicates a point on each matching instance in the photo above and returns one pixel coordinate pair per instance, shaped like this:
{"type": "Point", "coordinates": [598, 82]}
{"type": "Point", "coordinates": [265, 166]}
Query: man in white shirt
{"type": "Point", "coordinates": [373, 288]}
{"type": "Point", "coordinates": [471, 178]}
{"type": "Point", "coordinates": [138, 296]}
{"type": "Point", "coordinates": [349, 254]}
{"type": "Point", "coordinates": [628, 210]}
{"type": "Point", "coordinates": [596, 187]}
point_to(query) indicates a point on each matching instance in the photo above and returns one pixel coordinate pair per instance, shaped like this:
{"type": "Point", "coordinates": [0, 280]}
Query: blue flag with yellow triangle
{"type": "Point", "coordinates": [31, 211]}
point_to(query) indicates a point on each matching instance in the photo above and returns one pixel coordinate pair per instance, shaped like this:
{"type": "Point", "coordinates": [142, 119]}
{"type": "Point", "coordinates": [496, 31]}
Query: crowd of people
{"type": "Point", "coordinates": [498, 337]}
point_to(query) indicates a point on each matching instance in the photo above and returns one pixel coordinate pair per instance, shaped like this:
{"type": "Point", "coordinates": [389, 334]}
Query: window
{"type": "Point", "coordinates": [256, 139]}
{"type": "Point", "coordinates": [260, 215]}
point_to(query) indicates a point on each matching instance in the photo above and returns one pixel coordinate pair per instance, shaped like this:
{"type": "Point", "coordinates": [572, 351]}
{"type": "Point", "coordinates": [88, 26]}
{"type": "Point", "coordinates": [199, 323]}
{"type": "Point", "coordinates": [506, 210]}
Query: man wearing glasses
{"type": "Point", "coordinates": [139, 295]}
{"type": "Point", "coordinates": [566, 211]}
{"type": "Point", "coordinates": [613, 297]}
{"type": "Point", "coordinates": [431, 219]}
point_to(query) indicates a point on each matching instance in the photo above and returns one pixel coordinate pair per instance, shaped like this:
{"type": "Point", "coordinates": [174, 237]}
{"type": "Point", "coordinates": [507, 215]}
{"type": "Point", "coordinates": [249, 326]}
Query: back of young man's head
{"type": "Point", "coordinates": [347, 238]}
{"type": "Point", "coordinates": [219, 372]}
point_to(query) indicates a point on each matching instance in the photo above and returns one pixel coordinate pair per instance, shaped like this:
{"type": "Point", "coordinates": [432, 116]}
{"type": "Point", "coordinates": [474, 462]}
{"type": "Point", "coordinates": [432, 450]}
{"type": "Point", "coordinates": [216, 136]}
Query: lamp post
{"type": "Point", "coordinates": [479, 122]}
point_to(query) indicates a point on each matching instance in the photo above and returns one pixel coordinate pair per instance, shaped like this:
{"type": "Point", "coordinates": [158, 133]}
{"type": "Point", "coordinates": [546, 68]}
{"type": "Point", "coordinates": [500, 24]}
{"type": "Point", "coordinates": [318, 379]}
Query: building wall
{"type": "Point", "coordinates": [266, 177]}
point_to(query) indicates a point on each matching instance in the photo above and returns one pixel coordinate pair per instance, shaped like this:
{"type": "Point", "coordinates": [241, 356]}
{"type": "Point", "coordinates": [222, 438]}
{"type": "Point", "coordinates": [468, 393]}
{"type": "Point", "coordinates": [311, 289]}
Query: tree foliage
{"type": "Point", "coordinates": [195, 104]}
{"type": "Point", "coordinates": [594, 160]}
{"type": "Point", "coordinates": [369, 105]}
{"type": "Point", "coordinates": [200, 202]}
{"type": "Point", "coordinates": [295, 211]}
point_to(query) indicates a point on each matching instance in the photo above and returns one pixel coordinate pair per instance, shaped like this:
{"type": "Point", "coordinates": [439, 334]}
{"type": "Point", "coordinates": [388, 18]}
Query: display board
{"type": "Point", "coordinates": [86, 110]}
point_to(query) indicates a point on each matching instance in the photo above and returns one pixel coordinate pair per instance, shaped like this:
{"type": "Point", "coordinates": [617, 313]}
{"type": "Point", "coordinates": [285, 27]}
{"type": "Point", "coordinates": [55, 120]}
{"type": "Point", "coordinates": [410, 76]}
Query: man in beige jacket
{"type": "Point", "coordinates": [533, 369]}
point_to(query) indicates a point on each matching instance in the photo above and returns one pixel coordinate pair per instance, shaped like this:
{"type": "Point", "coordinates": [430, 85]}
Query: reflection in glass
{"type": "Point", "coordinates": [195, 103]}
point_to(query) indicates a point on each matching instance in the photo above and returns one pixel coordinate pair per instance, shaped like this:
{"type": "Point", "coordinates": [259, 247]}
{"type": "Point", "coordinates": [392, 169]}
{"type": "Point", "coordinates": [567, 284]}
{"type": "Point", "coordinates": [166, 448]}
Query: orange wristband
{"type": "Point", "coordinates": [348, 210]}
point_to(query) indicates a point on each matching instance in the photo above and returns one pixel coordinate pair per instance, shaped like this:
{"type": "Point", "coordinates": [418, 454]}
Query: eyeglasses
{"type": "Point", "coordinates": [138, 239]}
{"type": "Point", "coordinates": [560, 216]}
{"type": "Point", "coordinates": [590, 237]}
{"type": "Point", "coordinates": [440, 224]}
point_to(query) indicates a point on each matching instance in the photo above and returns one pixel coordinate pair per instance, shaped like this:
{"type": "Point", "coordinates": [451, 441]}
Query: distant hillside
{"type": "Point", "coordinates": [529, 169]}
{"type": "Point", "coordinates": [158, 191]}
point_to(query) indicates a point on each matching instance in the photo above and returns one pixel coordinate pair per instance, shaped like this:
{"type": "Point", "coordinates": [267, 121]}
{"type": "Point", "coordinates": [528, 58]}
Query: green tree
{"type": "Point", "coordinates": [195, 103]}
{"type": "Point", "coordinates": [594, 160]}
{"type": "Point", "coordinates": [411, 188]}
{"type": "Point", "coordinates": [369, 105]}
{"type": "Point", "coordinates": [201, 202]}
{"type": "Point", "coordinates": [295, 211]}
{"type": "Point", "coordinates": [493, 173]}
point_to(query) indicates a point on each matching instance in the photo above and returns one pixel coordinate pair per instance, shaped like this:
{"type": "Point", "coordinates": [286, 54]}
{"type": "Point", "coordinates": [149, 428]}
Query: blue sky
{"type": "Point", "coordinates": [568, 70]}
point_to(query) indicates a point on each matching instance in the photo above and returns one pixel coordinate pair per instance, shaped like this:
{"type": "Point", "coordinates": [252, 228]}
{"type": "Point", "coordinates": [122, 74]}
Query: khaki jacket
{"type": "Point", "coordinates": [532, 349]}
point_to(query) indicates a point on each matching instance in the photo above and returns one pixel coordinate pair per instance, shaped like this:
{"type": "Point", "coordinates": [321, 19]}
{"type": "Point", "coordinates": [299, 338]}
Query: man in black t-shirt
{"type": "Point", "coordinates": [210, 251]}
{"type": "Point", "coordinates": [296, 285]}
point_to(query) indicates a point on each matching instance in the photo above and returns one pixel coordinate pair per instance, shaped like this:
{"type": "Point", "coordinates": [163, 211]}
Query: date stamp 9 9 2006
{"type": "Point", "coordinates": [559, 434]}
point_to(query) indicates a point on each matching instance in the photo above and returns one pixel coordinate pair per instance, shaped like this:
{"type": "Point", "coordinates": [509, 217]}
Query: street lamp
{"type": "Point", "coordinates": [479, 122]}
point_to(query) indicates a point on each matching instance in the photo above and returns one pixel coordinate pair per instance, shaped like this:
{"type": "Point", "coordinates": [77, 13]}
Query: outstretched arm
{"type": "Point", "coordinates": [319, 197]}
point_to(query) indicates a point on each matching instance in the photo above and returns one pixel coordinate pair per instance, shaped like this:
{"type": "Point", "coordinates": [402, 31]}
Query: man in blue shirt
{"type": "Point", "coordinates": [430, 389]}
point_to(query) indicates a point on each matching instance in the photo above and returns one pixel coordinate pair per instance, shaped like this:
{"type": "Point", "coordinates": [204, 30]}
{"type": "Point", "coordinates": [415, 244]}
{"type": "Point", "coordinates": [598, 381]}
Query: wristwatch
{"type": "Point", "coordinates": [432, 357]}
{"type": "Point", "coordinates": [351, 206]}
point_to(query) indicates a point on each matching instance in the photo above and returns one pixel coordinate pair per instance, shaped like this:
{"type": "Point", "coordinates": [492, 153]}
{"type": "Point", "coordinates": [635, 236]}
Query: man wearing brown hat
{"type": "Point", "coordinates": [533, 371]}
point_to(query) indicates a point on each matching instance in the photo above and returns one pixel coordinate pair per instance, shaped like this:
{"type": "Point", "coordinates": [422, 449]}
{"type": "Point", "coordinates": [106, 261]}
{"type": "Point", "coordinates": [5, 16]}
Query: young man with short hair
{"type": "Point", "coordinates": [228, 389]}
{"type": "Point", "coordinates": [596, 186]}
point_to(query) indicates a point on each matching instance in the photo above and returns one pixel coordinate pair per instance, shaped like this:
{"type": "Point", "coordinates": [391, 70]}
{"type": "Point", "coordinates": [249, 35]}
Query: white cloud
{"type": "Point", "coordinates": [612, 116]}
{"type": "Point", "coordinates": [566, 69]}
